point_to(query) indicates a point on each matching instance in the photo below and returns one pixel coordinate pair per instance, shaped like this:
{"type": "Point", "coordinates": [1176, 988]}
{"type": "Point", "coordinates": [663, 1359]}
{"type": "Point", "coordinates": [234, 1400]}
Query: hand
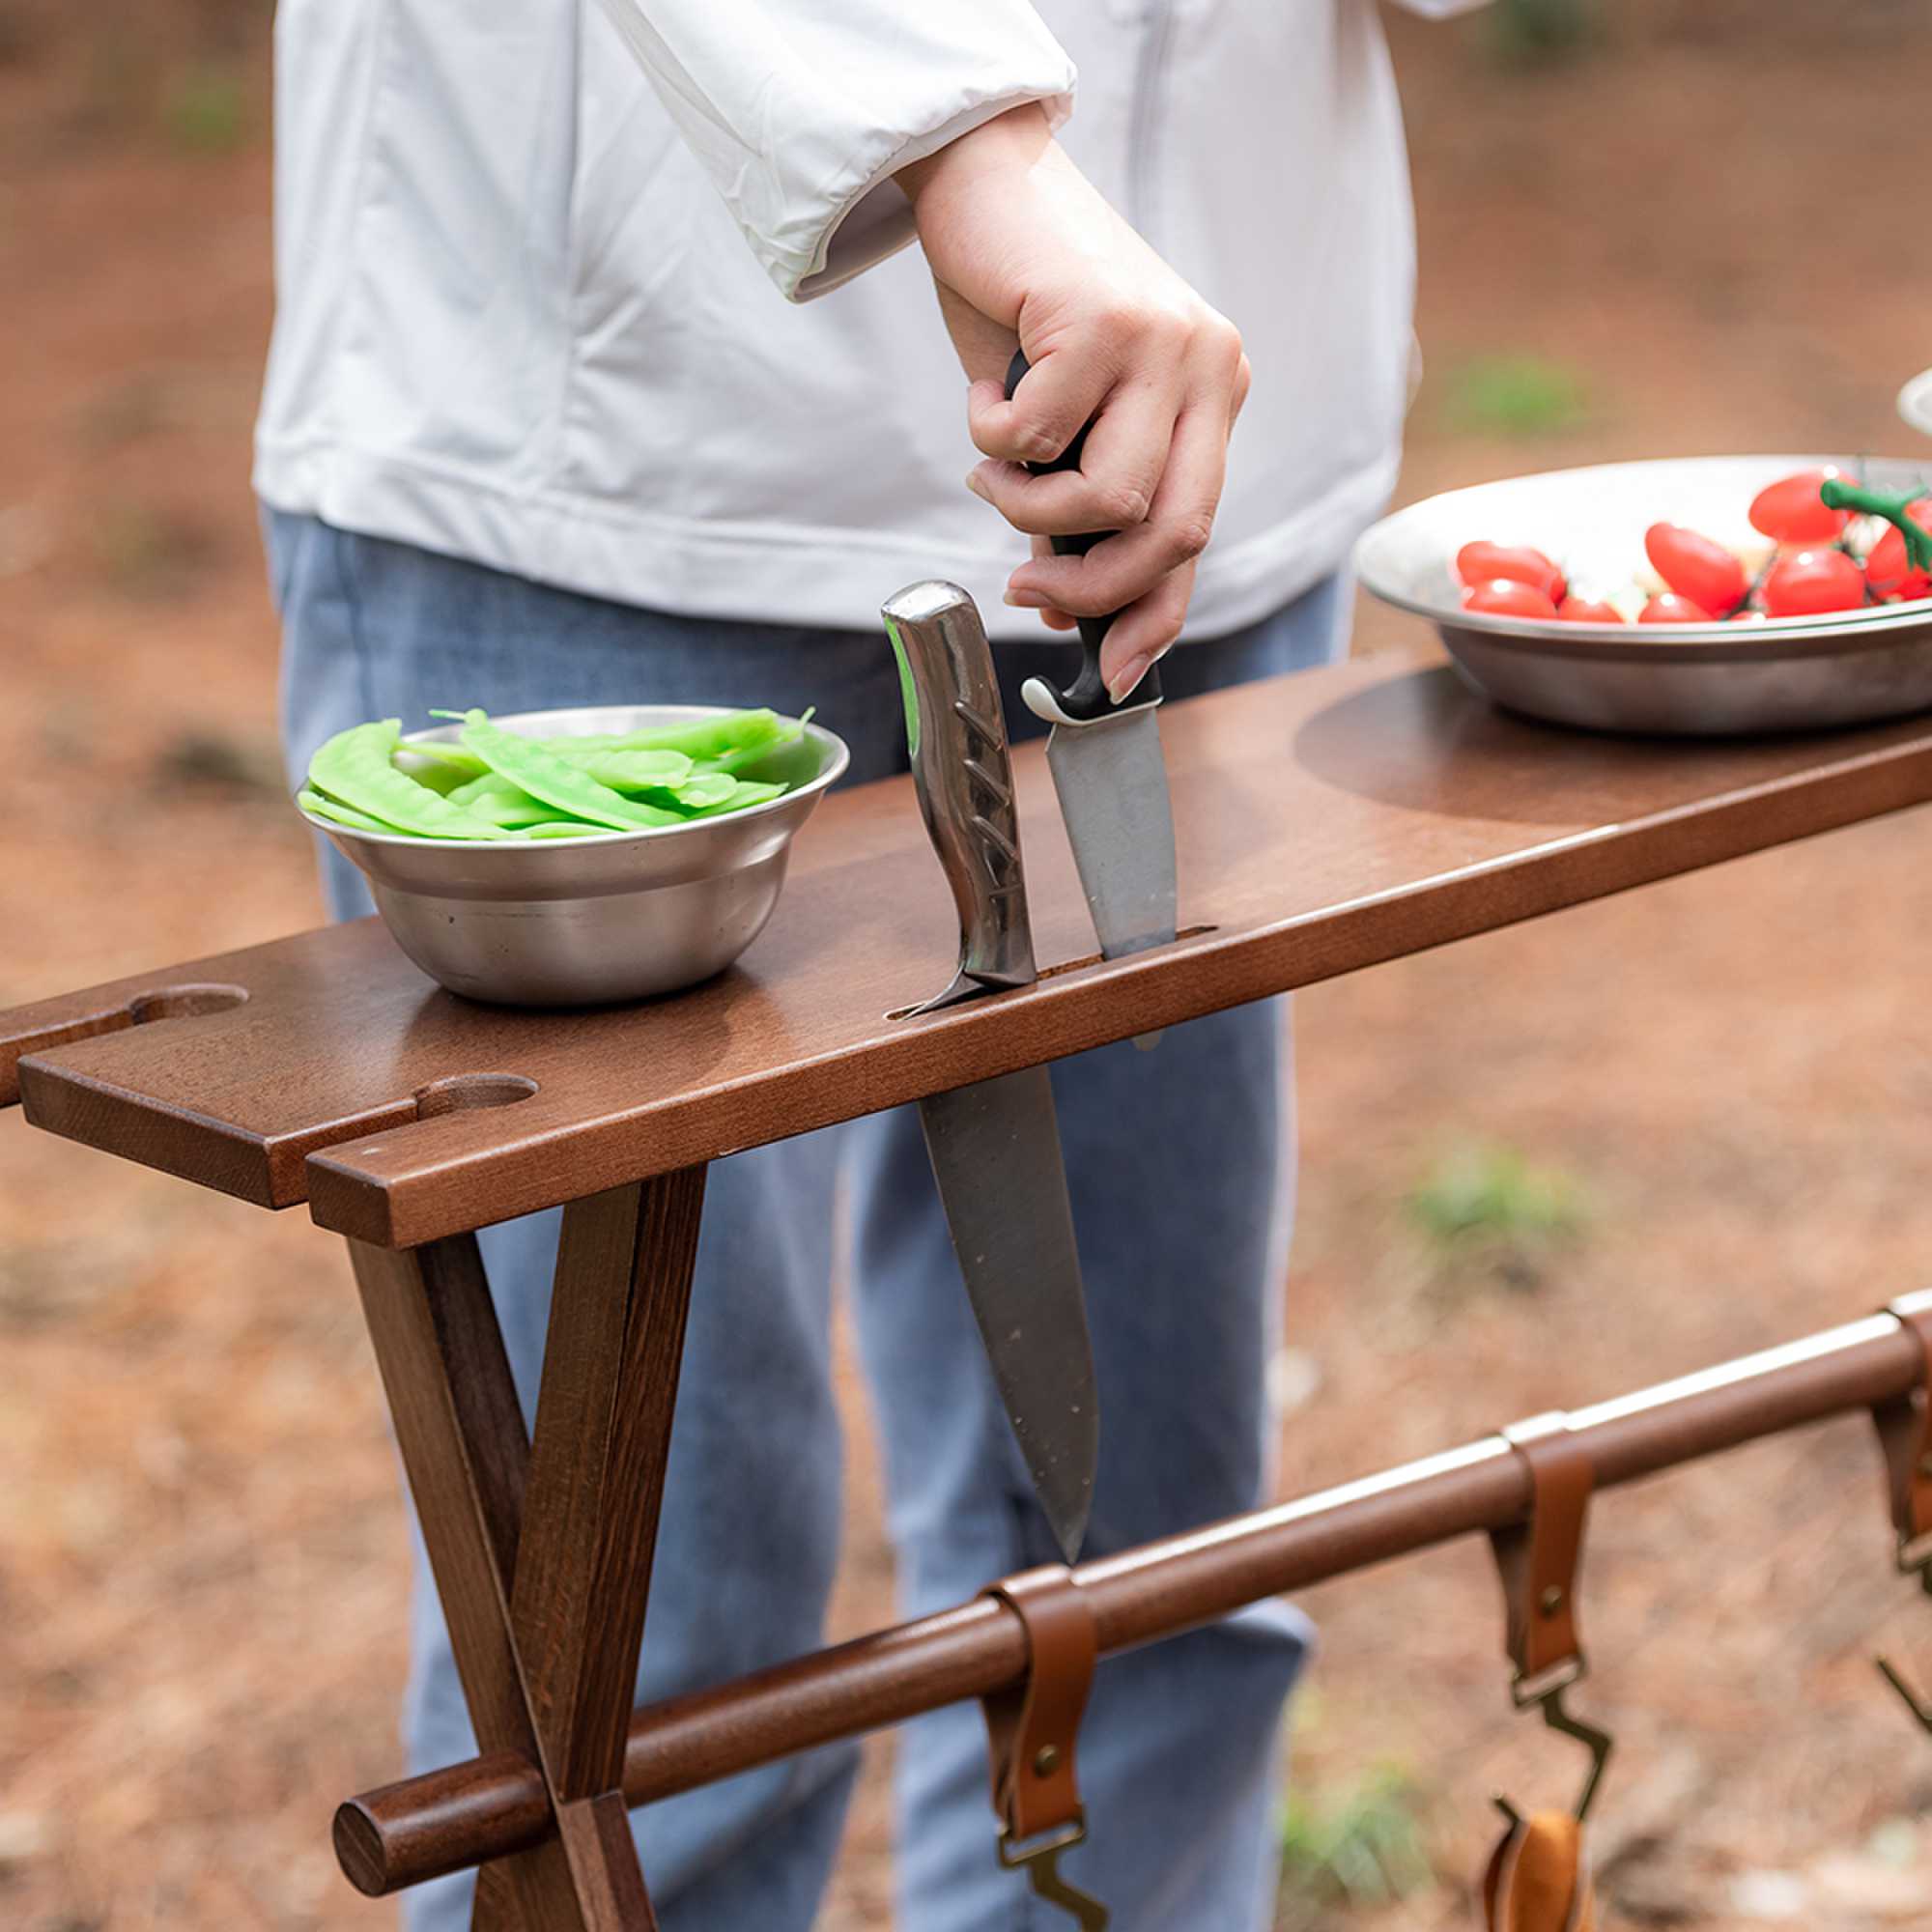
{"type": "Point", "coordinates": [1020, 243]}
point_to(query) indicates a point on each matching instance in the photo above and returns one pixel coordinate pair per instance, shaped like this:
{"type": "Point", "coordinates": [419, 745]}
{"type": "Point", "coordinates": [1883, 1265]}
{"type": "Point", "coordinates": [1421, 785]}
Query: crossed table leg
{"type": "Point", "coordinates": [541, 1545]}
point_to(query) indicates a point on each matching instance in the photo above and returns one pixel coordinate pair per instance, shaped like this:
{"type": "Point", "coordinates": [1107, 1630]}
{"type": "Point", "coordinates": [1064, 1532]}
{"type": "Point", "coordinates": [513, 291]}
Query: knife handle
{"type": "Point", "coordinates": [956, 732]}
{"type": "Point", "coordinates": [1085, 698]}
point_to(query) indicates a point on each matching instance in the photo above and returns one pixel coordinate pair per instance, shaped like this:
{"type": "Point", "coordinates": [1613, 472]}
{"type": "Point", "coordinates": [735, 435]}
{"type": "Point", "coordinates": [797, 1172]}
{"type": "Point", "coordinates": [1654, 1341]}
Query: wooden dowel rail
{"type": "Point", "coordinates": [465, 1814]}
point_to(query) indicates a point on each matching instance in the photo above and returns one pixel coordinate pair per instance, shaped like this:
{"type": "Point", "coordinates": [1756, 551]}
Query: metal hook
{"type": "Point", "coordinates": [1041, 1864]}
{"type": "Point", "coordinates": [1601, 1744]}
{"type": "Point", "coordinates": [1911, 1698]}
{"type": "Point", "coordinates": [1914, 1560]}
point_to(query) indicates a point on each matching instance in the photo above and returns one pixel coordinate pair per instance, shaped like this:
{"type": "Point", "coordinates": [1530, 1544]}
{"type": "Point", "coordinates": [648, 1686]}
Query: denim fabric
{"type": "Point", "coordinates": [1180, 1163]}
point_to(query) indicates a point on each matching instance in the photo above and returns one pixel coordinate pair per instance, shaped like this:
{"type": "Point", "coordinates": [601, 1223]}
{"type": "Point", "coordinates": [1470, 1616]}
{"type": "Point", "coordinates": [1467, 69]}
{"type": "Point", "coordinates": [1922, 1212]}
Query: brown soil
{"type": "Point", "coordinates": [201, 1554]}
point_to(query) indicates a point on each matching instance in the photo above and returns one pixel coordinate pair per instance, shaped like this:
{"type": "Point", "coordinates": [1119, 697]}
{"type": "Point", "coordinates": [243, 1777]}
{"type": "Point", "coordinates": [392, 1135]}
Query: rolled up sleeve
{"type": "Point", "coordinates": [802, 111]}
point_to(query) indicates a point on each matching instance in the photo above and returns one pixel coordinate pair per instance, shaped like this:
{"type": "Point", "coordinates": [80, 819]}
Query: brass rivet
{"type": "Point", "coordinates": [1046, 1761]}
{"type": "Point", "coordinates": [1552, 1600]}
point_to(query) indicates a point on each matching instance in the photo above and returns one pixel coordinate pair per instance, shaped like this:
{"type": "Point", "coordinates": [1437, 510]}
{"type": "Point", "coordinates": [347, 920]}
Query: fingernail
{"type": "Point", "coordinates": [1026, 600]}
{"type": "Point", "coordinates": [974, 484]}
{"type": "Point", "coordinates": [1120, 687]}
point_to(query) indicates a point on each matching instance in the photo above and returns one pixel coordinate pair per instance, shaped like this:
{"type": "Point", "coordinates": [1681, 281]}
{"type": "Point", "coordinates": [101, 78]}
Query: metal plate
{"type": "Point", "coordinates": [1789, 673]}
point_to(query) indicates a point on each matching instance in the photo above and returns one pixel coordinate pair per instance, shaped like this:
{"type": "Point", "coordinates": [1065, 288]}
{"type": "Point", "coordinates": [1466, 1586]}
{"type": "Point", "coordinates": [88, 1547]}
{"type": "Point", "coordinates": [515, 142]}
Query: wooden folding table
{"type": "Point", "coordinates": [1326, 822]}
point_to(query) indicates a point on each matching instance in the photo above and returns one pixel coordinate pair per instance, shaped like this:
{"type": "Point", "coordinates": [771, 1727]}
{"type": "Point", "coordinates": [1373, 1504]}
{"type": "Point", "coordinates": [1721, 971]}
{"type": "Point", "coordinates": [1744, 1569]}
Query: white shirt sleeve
{"type": "Point", "coordinates": [802, 110]}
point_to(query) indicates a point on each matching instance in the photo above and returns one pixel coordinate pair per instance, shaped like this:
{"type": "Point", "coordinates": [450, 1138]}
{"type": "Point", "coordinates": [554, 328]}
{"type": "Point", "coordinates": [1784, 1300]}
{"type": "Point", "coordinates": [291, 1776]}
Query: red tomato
{"type": "Point", "coordinates": [1503, 597]}
{"type": "Point", "coordinates": [1790, 511]}
{"type": "Point", "coordinates": [1888, 567]}
{"type": "Point", "coordinates": [1696, 568]}
{"type": "Point", "coordinates": [1671, 609]}
{"type": "Point", "coordinates": [1503, 563]}
{"type": "Point", "coordinates": [1804, 582]}
{"type": "Point", "coordinates": [1588, 611]}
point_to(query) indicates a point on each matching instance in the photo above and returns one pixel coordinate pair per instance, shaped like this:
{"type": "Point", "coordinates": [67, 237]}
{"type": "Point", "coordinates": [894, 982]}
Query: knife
{"type": "Point", "coordinates": [995, 1145]}
{"type": "Point", "coordinates": [1108, 771]}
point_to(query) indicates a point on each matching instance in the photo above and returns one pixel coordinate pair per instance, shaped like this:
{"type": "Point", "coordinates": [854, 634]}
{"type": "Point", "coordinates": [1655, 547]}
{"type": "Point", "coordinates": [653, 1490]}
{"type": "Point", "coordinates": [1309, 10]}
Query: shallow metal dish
{"type": "Point", "coordinates": [614, 916]}
{"type": "Point", "coordinates": [1789, 673]}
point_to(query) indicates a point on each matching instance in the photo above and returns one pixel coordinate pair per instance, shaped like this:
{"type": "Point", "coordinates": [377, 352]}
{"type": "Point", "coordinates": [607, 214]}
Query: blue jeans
{"type": "Point", "coordinates": [1180, 1163]}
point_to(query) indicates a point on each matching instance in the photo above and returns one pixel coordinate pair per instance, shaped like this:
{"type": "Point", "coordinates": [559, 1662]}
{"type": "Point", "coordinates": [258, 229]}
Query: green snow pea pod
{"type": "Point", "coordinates": [699, 792]}
{"type": "Point", "coordinates": [748, 793]}
{"type": "Point", "coordinates": [343, 814]}
{"type": "Point", "coordinates": [438, 766]}
{"type": "Point", "coordinates": [502, 803]}
{"type": "Point", "coordinates": [518, 810]}
{"type": "Point", "coordinates": [556, 781]}
{"type": "Point", "coordinates": [353, 767]}
{"type": "Point", "coordinates": [713, 737]}
{"type": "Point", "coordinates": [630, 771]}
{"type": "Point", "coordinates": [487, 785]}
{"type": "Point", "coordinates": [750, 757]}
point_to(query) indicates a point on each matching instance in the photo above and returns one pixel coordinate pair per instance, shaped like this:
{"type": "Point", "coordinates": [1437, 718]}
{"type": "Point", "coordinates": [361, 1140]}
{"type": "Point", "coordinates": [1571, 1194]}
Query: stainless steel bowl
{"type": "Point", "coordinates": [614, 916]}
{"type": "Point", "coordinates": [1915, 401]}
{"type": "Point", "coordinates": [1788, 674]}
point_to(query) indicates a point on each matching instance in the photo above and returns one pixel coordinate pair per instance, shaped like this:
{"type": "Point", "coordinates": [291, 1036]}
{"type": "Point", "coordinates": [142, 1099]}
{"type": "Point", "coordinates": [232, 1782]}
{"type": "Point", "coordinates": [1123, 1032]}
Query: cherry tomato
{"type": "Point", "coordinates": [1504, 563]}
{"type": "Point", "coordinates": [1696, 568]}
{"type": "Point", "coordinates": [1889, 569]}
{"type": "Point", "coordinates": [1804, 582]}
{"type": "Point", "coordinates": [1588, 611]}
{"type": "Point", "coordinates": [1789, 510]}
{"type": "Point", "coordinates": [1670, 609]}
{"type": "Point", "coordinates": [1503, 597]}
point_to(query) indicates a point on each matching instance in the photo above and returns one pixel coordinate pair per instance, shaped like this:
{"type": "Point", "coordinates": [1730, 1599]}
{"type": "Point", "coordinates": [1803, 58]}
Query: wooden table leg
{"type": "Point", "coordinates": [542, 1555]}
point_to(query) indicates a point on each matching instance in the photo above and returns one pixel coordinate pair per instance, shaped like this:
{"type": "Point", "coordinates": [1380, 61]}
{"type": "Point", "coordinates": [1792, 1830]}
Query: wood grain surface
{"type": "Point", "coordinates": [1326, 822]}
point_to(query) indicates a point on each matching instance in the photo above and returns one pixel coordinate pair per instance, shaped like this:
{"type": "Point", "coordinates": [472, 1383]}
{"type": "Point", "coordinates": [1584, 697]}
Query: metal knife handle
{"type": "Point", "coordinates": [1085, 698]}
{"type": "Point", "coordinates": [956, 731]}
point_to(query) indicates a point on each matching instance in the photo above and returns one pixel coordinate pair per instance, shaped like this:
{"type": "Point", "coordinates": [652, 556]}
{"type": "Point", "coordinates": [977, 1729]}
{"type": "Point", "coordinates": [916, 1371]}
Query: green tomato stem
{"type": "Point", "coordinates": [1835, 494]}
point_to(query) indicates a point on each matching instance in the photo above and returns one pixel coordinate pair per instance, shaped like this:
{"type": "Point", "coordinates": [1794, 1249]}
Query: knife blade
{"type": "Point", "coordinates": [1108, 771]}
{"type": "Point", "coordinates": [995, 1144]}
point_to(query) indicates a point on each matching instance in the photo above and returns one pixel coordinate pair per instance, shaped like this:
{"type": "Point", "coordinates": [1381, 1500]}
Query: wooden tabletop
{"type": "Point", "coordinates": [1325, 822]}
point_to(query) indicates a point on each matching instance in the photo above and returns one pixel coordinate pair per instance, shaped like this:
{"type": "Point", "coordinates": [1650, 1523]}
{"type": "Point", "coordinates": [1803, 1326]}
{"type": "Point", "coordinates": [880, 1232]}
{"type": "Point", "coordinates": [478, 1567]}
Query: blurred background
{"type": "Point", "coordinates": [1540, 1168]}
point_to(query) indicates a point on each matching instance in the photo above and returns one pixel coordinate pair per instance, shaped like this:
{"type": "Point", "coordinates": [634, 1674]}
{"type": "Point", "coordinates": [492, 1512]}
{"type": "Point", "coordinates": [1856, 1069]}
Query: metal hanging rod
{"type": "Point", "coordinates": [488, 1807]}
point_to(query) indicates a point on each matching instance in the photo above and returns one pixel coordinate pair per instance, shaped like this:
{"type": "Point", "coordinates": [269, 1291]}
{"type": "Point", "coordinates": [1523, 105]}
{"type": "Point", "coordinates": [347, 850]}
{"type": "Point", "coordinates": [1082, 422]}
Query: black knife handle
{"type": "Point", "coordinates": [1085, 698]}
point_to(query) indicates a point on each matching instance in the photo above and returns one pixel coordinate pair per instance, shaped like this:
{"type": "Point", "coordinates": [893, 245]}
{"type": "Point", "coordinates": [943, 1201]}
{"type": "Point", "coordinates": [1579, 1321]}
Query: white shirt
{"type": "Point", "coordinates": [527, 250]}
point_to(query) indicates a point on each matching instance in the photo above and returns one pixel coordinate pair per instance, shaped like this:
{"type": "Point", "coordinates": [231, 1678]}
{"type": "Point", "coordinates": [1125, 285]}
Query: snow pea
{"type": "Point", "coordinates": [699, 792]}
{"type": "Point", "coordinates": [438, 766]}
{"type": "Point", "coordinates": [717, 737]}
{"type": "Point", "coordinates": [518, 811]}
{"type": "Point", "coordinates": [343, 814]}
{"type": "Point", "coordinates": [627, 770]}
{"type": "Point", "coordinates": [556, 781]}
{"type": "Point", "coordinates": [749, 792]}
{"type": "Point", "coordinates": [354, 768]}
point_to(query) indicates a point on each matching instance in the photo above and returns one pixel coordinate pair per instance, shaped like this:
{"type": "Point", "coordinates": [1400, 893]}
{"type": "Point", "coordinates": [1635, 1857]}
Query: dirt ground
{"type": "Point", "coordinates": [1695, 1108]}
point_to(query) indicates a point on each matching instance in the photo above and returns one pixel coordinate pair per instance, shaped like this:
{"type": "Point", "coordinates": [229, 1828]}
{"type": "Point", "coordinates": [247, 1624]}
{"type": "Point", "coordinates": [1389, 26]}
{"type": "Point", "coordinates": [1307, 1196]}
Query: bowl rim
{"type": "Point", "coordinates": [1833, 629]}
{"type": "Point", "coordinates": [1915, 402]}
{"type": "Point", "coordinates": [829, 773]}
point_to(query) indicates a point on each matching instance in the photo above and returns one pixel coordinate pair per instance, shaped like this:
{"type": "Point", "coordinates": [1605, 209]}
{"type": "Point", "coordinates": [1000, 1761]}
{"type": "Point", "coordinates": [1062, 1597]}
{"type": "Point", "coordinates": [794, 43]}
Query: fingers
{"type": "Point", "coordinates": [1140, 636]}
{"type": "Point", "coordinates": [1061, 391]}
{"type": "Point", "coordinates": [1123, 569]}
{"type": "Point", "coordinates": [1121, 466]}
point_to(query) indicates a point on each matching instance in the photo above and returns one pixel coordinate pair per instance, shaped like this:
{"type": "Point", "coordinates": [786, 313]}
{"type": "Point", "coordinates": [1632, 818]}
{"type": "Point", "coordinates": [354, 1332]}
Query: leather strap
{"type": "Point", "coordinates": [1032, 1728]}
{"type": "Point", "coordinates": [1539, 1557]}
{"type": "Point", "coordinates": [1905, 1435]}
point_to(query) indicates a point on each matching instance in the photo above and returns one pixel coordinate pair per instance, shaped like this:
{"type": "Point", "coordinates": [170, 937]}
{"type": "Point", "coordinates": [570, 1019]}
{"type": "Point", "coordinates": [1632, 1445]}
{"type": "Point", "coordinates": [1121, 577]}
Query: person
{"type": "Point", "coordinates": [537, 431]}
